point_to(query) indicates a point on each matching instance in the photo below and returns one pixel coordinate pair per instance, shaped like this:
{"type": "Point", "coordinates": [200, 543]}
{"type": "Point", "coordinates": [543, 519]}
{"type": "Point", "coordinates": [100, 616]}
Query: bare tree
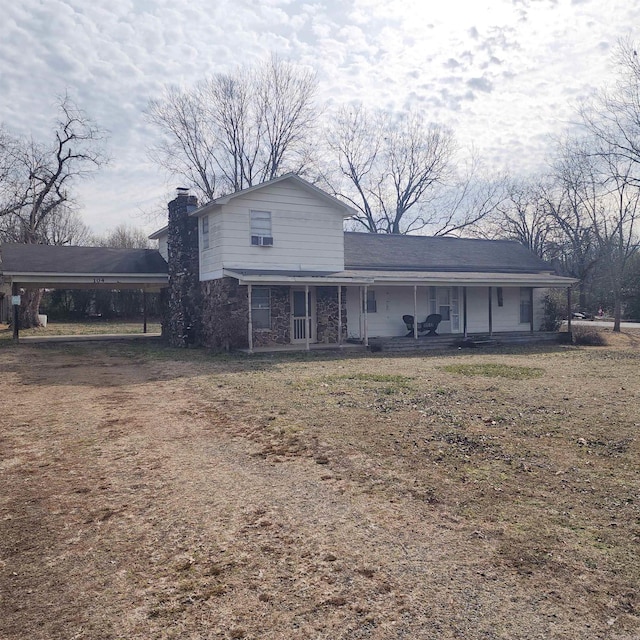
{"type": "Point", "coordinates": [389, 168]}
{"type": "Point", "coordinates": [523, 216]}
{"type": "Point", "coordinates": [613, 116]}
{"type": "Point", "coordinates": [238, 129]}
{"type": "Point", "coordinates": [123, 237]}
{"type": "Point", "coordinates": [37, 178]}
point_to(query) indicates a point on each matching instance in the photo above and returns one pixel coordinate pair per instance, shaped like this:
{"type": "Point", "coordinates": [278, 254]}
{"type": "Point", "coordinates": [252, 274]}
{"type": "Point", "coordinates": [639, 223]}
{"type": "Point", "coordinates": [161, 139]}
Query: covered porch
{"type": "Point", "coordinates": [308, 311]}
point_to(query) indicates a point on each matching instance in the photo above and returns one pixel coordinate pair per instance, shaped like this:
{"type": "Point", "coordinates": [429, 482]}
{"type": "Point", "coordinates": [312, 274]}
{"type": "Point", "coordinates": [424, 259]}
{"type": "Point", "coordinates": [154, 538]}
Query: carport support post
{"type": "Point", "coordinates": [144, 311]}
{"type": "Point", "coordinates": [16, 312]}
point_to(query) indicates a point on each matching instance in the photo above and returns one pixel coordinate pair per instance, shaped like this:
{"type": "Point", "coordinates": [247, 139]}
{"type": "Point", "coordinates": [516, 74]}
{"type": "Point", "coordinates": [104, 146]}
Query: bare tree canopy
{"type": "Point", "coordinates": [613, 116]}
{"type": "Point", "coordinates": [398, 172]}
{"type": "Point", "coordinates": [238, 129]}
{"type": "Point", "coordinates": [123, 237]}
{"type": "Point", "coordinates": [36, 178]}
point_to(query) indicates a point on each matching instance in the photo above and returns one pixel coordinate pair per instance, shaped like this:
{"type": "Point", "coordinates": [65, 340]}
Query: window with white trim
{"type": "Point", "coordinates": [372, 305]}
{"type": "Point", "coordinates": [261, 229]}
{"type": "Point", "coordinates": [261, 307]}
{"type": "Point", "coordinates": [205, 232]}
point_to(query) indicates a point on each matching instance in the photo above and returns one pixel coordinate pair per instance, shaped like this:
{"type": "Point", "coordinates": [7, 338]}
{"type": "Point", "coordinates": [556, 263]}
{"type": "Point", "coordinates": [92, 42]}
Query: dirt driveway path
{"type": "Point", "coordinates": [135, 507]}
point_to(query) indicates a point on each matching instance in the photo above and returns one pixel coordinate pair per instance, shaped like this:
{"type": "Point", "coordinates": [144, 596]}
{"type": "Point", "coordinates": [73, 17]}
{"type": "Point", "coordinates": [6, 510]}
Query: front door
{"type": "Point", "coordinates": [302, 316]}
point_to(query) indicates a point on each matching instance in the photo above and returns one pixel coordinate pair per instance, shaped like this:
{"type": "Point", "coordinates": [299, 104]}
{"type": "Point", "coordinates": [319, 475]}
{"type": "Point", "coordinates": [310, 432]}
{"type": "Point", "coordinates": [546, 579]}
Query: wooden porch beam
{"type": "Point", "coordinates": [531, 308]}
{"type": "Point", "coordinates": [366, 317]}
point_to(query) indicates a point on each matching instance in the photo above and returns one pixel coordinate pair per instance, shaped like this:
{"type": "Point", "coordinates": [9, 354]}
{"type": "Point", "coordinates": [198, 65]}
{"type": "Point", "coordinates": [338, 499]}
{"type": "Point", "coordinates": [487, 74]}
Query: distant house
{"type": "Point", "coordinates": [271, 265]}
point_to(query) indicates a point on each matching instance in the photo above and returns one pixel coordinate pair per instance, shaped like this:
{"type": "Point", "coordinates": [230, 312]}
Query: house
{"type": "Point", "coordinates": [271, 265]}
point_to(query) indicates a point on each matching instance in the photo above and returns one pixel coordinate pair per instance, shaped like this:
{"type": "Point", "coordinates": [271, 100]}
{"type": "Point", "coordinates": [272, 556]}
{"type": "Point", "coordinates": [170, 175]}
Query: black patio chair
{"type": "Point", "coordinates": [429, 326]}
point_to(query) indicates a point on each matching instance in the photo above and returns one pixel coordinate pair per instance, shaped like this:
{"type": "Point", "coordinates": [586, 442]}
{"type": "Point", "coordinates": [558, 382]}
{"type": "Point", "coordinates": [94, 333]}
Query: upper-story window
{"type": "Point", "coordinates": [205, 232]}
{"type": "Point", "coordinates": [261, 228]}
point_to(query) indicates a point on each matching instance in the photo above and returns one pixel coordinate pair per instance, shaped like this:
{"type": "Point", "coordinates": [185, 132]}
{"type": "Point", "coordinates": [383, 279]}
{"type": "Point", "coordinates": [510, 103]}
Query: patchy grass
{"type": "Point", "coordinates": [81, 329]}
{"type": "Point", "coordinates": [157, 493]}
{"type": "Point", "coordinates": [494, 370]}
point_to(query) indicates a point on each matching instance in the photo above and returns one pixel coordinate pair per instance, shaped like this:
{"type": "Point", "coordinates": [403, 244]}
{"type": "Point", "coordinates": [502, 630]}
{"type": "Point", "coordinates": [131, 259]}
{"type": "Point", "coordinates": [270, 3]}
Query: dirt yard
{"type": "Point", "coordinates": [154, 494]}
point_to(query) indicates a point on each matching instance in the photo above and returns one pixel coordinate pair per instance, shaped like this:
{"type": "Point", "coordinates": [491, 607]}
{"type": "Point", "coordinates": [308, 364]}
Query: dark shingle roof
{"type": "Point", "coordinates": [38, 258]}
{"type": "Point", "coordinates": [424, 253]}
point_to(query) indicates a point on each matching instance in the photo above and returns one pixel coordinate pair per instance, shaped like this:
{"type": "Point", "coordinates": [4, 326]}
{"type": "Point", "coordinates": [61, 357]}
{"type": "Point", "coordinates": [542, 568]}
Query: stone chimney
{"type": "Point", "coordinates": [184, 310]}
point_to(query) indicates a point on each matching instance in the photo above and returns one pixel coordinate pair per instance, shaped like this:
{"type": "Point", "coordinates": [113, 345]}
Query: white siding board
{"type": "Point", "coordinates": [307, 233]}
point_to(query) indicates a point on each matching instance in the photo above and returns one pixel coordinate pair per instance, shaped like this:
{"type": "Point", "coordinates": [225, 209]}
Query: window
{"type": "Point", "coordinates": [525, 305]}
{"type": "Point", "coordinates": [205, 232]}
{"type": "Point", "coordinates": [372, 306]}
{"type": "Point", "coordinates": [261, 307]}
{"type": "Point", "coordinates": [261, 229]}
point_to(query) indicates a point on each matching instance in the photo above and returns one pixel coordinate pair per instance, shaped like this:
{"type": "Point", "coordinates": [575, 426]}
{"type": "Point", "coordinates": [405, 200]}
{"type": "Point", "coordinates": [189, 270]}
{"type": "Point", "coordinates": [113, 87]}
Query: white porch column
{"type": "Point", "coordinates": [250, 319]}
{"type": "Point", "coordinates": [415, 311]}
{"type": "Point", "coordinates": [490, 313]}
{"type": "Point", "coordinates": [464, 311]}
{"type": "Point", "coordinates": [307, 313]}
{"type": "Point", "coordinates": [366, 317]}
{"type": "Point", "coordinates": [340, 315]}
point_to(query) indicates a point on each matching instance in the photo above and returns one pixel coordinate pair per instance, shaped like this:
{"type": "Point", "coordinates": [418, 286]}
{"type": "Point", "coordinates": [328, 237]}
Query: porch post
{"type": "Point", "coordinates": [144, 311]}
{"type": "Point", "coordinates": [16, 312]}
{"type": "Point", "coordinates": [490, 314]}
{"type": "Point", "coordinates": [366, 317]}
{"type": "Point", "coordinates": [307, 313]}
{"type": "Point", "coordinates": [569, 313]}
{"type": "Point", "coordinates": [250, 319]}
{"type": "Point", "coordinates": [464, 311]}
{"type": "Point", "coordinates": [531, 307]}
{"type": "Point", "coordinates": [415, 311]}
{"type": "Point", "coordinates": [340, 315]}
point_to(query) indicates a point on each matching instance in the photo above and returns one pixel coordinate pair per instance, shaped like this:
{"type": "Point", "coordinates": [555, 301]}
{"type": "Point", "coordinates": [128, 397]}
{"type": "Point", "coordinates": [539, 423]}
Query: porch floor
{"type": "Point", "coordinates": [423, 343]}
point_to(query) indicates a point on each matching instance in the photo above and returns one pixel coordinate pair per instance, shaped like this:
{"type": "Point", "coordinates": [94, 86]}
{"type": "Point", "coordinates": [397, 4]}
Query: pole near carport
{"type": "Point", "coordinates": [144, 311]}
{"type": "Point", "coordinates": [15, 300]}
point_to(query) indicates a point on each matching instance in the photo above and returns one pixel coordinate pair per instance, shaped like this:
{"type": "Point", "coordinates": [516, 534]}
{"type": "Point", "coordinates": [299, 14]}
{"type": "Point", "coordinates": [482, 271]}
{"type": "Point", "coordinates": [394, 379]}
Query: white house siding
{"type": "Point", "coordinates": [162, 247]}
{"type": "Point", "coordinates": [307, 233]}
{"type": "Point", "coordinates": [478, 309]}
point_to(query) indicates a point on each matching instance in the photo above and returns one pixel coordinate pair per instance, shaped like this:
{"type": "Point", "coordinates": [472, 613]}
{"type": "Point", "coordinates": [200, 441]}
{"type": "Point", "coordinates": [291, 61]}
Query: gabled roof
{"type": "Point", "coordinates": [53, 259]}
{"type": "Point", "coordinates": [376, 251]}
{"type": "Point", "coordinates": [290, 177]}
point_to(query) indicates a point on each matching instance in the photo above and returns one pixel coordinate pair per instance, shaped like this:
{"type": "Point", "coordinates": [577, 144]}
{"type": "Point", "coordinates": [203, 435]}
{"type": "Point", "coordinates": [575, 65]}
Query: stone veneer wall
{"type": "Point", "coordinates": [280, 332]}
{"type": "Point", "coordinates": [225, 314]}
{"type": "Point", "coordinates": [183, 310]}
{"type": "Point", "coordinates": [327, 314]}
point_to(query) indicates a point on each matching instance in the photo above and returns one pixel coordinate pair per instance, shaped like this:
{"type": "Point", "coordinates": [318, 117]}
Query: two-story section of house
{"type": "Point", "coordinates": [274, 267]}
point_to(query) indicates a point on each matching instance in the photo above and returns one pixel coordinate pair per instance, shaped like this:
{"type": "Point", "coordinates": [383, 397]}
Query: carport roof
{"type": "Point", "coordinates": [54, 265]}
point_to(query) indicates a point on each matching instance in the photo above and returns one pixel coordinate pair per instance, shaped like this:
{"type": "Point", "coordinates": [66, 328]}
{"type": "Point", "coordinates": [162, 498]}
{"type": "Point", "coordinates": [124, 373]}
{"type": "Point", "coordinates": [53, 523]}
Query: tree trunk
{"type": "Point", "coordinates": [617, 312]}
{"type": "Point", "coordinates": [29, 307]}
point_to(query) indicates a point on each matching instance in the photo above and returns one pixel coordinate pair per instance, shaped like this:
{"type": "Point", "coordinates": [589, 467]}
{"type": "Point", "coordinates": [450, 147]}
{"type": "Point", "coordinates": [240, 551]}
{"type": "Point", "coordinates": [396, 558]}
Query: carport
{"type": "Point", "coordinates": [34, 266]}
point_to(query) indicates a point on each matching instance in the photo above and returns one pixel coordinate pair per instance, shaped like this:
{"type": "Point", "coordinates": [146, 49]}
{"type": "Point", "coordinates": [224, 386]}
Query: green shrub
{"type": "Point", "coordinates": [589, 336]}
{"type": "Point", "coordinates": [552, 314]}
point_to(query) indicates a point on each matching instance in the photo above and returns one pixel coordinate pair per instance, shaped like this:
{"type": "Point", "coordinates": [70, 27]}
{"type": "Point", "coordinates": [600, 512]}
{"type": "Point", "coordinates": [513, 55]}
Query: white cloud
{"type": "Point", "coordinates": [502, 73]}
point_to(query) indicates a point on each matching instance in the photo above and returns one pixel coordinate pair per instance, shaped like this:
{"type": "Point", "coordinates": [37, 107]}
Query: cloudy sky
{"type": "Point", "coordinates": [504, 74]}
